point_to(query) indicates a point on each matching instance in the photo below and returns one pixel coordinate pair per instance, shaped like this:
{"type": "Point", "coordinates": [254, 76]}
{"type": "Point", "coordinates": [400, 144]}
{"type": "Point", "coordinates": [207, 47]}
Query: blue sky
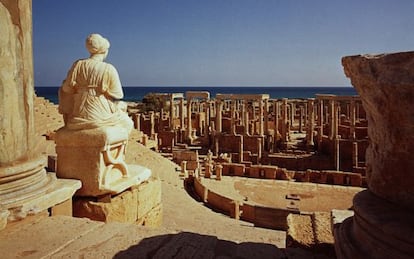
{"type": "Point", "coordinates": [219, 42]}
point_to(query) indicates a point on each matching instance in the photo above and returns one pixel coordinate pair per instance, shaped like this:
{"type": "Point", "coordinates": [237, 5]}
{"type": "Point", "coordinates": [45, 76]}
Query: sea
{"type": "Point", "coordinates": [137, 93]}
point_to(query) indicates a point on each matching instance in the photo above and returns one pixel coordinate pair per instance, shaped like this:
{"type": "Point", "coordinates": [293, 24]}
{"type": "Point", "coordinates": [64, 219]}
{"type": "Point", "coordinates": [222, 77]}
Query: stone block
{"type": "Point", "coordinates": [96, 157]}
{"type": "Point", "coordinates": [3, 218]}
{"type": "Point", "coordinates": [300, 231]}
{"type": "Point", "coordinates": [148, 196]}
{"type": "Point", "coordinates": [63, 209]}
{"type": "Point", "coordinates": [135, 205]}
{"type": "Point", "coordinates": [153, 218]}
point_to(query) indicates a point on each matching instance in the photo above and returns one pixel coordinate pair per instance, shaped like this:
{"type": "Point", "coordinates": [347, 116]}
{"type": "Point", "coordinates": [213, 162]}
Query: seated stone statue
{"type": "Point", "coordinates": [91, 146]}
{"type": "Point", "coordinates": [88, 96]}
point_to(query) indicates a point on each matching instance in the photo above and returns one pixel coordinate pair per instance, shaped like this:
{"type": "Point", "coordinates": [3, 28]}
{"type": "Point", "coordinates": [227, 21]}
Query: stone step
{"type": "Point", "coordinates": [64, 237]}
{"type": "Point", "coordinates": [311, 231]}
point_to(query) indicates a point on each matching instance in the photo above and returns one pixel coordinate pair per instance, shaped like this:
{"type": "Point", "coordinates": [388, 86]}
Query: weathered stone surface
{"type": "Point", "coordinates": [83, 238]}
{"type": "Point", "coordinates": [149, 196]}
{"type": "Point", "coordinates": [322, 228]}
{"type": "Point", "coordinates": [300, 232]}
{"type": "Point", "coordinates": [382, 223]}
{"type": "Point", "coordinates": [136, 205]}
{"type": "Point", "coordinates": [386, 85]}
{"type": "Point", "coordinates": [16, 81]}
{"type": "Point", "coordinates": [378, 229]}
{"type": "Point", "coordinates": [338, 216]}
{"type": "Point", "coordinates": [3, 218]}
{"type": "Point", "coordinates": [52, 234]}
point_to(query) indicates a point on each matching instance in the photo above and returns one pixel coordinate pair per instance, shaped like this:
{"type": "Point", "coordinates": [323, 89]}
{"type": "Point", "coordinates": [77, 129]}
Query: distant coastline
{"type": "Point", "coordinates": [136, 93]}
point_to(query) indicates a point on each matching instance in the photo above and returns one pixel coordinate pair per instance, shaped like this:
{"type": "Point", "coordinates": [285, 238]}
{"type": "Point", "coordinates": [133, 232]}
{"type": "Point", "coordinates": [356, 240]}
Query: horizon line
{"type": "Point", "coordinates": [218, 86]}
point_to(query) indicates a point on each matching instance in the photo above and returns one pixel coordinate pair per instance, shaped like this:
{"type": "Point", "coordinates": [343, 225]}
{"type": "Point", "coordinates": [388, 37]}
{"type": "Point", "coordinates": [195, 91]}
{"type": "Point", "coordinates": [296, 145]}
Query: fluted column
{"type": "Point", "coordinates": [382, 226]}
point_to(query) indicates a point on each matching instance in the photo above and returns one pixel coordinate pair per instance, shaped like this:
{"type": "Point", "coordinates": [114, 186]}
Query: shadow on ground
{"type": "Point", "coordinates": [192, 245]}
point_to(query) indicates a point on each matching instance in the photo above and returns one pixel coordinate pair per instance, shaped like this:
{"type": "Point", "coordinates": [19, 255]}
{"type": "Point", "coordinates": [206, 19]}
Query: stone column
{"type": "Point", "coordinates": [207, 169]}
{"type": "Point", "coordinates": [276, 118]}
{"type": "Point", "coordinates": [285, 121]}
{"type": "Point", "coordinates": [382, 226]}
{"type": "Point", "coordinates": [266, 117]}
{"type": "Point", "coordinates": [171, 112]}
{"type": "Point", "coordinates": [25, 186]}
{"type": "Point", "coordinates": [219, 172]}
{"type": "Point", "coordinates": [246, 120]}
{"type": "Point", "coordinates": [331, 110]}
{"type": "Point", "coordinates": [137, 121]}
{"type": "Point", "coordinates": [292, 113]}
{"type": "Point", "coordinates": [241, 149]}
{"type": "Point", "coordinates": [189, 128]}
{"type": "Point", "coordinates": [184, 169]}
{"type": "Point", "coordinates": [182, 117]}
{"type": "Point", "coordinates": [311, 122]}
{"type": "Point", "coordinates": [254, 125]}
{"type": "Point", "coordinates": [300, 119]}
{"type": "Point", "coordinates": [261, 108]}
{"type": "Point", "coordinates": [152, 123]}
{"type": "Point", "coordinates": [320, 122]}
{"type": "Point", "coordinates": [353, 119]}
{"type": "Point", "coordinates": [219, 111]}
{"type": "Point", "coordinates": [259, 150]}
{"type": "Point", "coordinates": [337, 110]}
{"type": "Point", "coordinates": [233, 116]}
{"type": "Point", "coordinates": [355, 154]}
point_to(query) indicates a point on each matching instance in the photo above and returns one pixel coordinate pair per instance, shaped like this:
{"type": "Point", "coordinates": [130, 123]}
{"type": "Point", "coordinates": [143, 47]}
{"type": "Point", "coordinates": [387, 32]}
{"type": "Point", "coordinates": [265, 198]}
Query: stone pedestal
{"type": "Point", "coordinates": [96, 157]}
{"type": "Point", "coordinates": [383, 223]}
{"type": "Point", "coordinates": [140, 204]}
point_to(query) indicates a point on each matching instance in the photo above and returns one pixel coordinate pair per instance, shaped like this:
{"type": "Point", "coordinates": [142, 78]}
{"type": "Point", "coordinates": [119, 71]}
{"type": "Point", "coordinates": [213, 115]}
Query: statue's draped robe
{"type": "Point", "coordinates": [87, 98]}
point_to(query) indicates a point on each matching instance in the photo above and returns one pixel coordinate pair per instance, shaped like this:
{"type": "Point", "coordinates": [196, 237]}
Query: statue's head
{"type": "Point", "coordinates": [96, 44]}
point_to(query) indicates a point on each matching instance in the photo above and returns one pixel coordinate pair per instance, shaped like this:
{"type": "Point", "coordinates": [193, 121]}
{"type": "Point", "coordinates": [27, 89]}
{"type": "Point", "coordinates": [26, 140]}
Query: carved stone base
{"type": "Point", "coordinates": [96, 157]}
{"type": "Point", "coordinates": [4, 214]}
{"type": "Point", "coordinates": [379, 229]}
{"type": "Point", "coordinates": [26, 189]}
{"type": "Point", "coordinates": [140, 204]}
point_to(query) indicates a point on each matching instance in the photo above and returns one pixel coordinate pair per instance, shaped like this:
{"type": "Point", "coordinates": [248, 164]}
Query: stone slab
{"type": "Point", "coordinates": [112, 239]}
{"type": "Point", "coordinates": [60, 191]}
{"type": "Point", "coordinates": [338, 216]}
{"type": "Point", "coordinates": [300, 231]}
{"type": "Point", "coordinates": [47, 236]}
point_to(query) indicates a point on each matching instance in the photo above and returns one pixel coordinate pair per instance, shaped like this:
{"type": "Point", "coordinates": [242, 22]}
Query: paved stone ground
{"type": "Point", "coordinates": [66, 237]}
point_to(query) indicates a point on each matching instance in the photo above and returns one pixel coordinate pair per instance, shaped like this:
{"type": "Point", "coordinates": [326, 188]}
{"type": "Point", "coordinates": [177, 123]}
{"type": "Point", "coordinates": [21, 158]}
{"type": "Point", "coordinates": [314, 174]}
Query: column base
{"type": "Point", "coordinates": [27, 189]}
{"type": "Point", "coordinates": [378, 229]}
